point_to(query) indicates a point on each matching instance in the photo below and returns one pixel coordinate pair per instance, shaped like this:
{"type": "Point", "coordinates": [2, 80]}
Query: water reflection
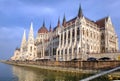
{"type": "Point", "coordinates": [33, 74]}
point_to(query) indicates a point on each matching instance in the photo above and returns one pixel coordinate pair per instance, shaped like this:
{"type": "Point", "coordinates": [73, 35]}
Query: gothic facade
{"type": "Point", "coordinates": [74, 39]}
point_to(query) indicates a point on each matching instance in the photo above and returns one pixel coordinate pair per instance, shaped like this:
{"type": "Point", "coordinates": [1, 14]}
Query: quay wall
{"type": "Point", "coordinates": [78, 65]}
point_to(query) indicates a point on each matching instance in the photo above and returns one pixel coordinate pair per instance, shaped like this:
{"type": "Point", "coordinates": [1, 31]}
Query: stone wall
{"type": "Point", "coordinates": [113, 56]}
{"type": "Point", "coordinates": [85, 65]}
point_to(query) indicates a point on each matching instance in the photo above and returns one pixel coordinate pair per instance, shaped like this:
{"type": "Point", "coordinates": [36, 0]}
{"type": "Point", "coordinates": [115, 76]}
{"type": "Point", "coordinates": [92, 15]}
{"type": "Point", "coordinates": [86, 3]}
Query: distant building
{"type": "Point", "coordinates": [74, 39]}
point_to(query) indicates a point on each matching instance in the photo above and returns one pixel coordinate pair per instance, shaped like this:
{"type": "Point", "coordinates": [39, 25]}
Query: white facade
{"type": "Point", "coordinates": [74, 39]}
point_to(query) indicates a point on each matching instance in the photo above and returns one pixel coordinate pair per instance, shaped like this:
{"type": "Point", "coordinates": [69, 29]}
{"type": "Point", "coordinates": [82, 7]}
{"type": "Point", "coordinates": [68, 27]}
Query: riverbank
{"type": "Point", "coordinates": [57, 69]}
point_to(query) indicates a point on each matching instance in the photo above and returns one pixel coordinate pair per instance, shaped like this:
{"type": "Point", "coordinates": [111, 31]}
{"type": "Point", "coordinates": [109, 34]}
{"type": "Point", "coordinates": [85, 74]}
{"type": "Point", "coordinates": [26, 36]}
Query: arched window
{"type": "Point", "coordinates": [91, 34]}
{"type": "Point", "coordinates": [73, 33]}
{"type": "Point", "coordinates": [68, 34]}
{"type": "Point", "coordinates": [103, 49]}
{"type": "Point", "coordinates": [31, 49]}
{"type": "Point", "coordinates": [78, 31]}
{"type": "Point", "coordinates": [61, 37]}
{"type": "Point", "coordinates": [83, 31]}
{"type": "Point", "coordinates": [102, 36]}
{"type": "Point", "coordinates": [94, 35]}
{"type": "Point", "coordinates": [87, 32]}
{"type": "Point", "coordinates": [65, 36]}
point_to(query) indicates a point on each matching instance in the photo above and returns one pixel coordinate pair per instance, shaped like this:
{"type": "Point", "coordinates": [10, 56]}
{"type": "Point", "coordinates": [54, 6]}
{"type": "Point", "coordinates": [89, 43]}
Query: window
{"type": "Point", "coordinates": [79, 49]}
{"type": "Point", "coordinates": [65, 51]}
{"type": "Point", "coordinates": [54, 51]}
{"type": "Point", "coordinates": [65, 36]}
{"type": "Point", "coordinates": [31, 49]}
{"type": "Point", "coordinates": [70, 50]}
{"type": "Point", "coordinates": [58, 52]}
{"type": "Point", "coordinates": [83, 31]}
{"type": "Point", "coordinates": [78, 31]}
{"type": "Point", "coordinates": [87, 32]}
{"type": "Point", "coordinates": [102, 36]}
{"type": "Point", "coordinates": [91, 35]}
{"type": "Point", "coordinates": [69, 34]}
{"type": "Point", "coordinates": [61, 37]}
{"type": "Point", "coordinates": [73, 33]}
{"type": "Point", "coordinates": [61, 51]}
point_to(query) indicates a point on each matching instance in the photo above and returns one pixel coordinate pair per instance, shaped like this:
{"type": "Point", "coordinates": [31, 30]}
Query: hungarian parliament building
{"type": "Point", "coordinates": [77, 38]}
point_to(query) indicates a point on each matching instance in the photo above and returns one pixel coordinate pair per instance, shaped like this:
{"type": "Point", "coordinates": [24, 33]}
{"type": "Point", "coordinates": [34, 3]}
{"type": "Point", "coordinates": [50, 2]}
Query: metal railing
{"type": "Point", "coordinates": [100, 74]}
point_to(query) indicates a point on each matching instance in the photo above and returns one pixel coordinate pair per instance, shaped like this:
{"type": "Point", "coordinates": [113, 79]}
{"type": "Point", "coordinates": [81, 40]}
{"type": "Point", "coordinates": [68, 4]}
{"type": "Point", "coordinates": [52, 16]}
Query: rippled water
{"type": "Point", "coordinates": [17, 73]}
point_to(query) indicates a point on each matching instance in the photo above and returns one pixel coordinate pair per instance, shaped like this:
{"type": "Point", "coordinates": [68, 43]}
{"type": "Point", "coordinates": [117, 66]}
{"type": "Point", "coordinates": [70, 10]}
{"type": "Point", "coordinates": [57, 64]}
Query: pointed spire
{"type": "Point", "coordinates": [58, 25]}
{"type": "Point", "coordinates": [31, 36]}
{"type": "Point", "coordinates": [23, 39]}
{"type": "Point", "coordinates": [64, 21]}
{"type": "Point", "coordinates": [80, 14]}
{"type": "Point", "coordinates": [50, 29]}
{"type": "Point", "coordinates": [43, 24]}
{"type": "Point", "coordinates": [31, 26]}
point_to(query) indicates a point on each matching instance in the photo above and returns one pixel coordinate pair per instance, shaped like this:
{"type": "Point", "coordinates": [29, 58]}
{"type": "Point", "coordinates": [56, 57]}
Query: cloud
{"type": "Point", "coordinates": [10, 38]}
{"type": "Point", "coordinates": [16, 14]}
{"type": "Point", "coordinates": [11, 32]}
{"type": "Point", "coordinates": [36, 10]}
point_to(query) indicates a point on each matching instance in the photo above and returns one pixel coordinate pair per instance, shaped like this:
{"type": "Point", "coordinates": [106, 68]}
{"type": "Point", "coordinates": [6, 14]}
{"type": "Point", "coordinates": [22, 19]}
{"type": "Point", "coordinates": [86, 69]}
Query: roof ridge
{"type": "Point", "coordinates": [102, 18]}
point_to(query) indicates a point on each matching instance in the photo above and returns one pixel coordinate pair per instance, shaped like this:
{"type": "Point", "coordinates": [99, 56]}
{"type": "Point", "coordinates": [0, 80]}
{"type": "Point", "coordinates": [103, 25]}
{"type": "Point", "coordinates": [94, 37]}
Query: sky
{"type": "Point", "coordinates": [16, 15]}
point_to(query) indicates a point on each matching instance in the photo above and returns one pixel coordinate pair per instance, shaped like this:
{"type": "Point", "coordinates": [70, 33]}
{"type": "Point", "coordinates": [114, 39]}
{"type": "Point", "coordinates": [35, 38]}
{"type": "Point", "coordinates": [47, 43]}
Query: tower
{"type": "Point", "coordinates": [31, 36]}
{"type": "Point", "coordinates": [50, 29]}
{"type": "Point", "coordinates": [23, 43]}
{"type": "Point", "coordinates": [58, 24]}
{"type": "Point", "coordinates": [80, 13]}
{"type": "Point", "coordinates": [31, 47]}
{"type": "Point", "coordinates": [64, 21]}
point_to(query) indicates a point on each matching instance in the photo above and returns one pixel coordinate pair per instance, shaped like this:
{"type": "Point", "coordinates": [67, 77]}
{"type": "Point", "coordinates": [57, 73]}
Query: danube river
{"type": "Point", "coordinates": [18, 73]}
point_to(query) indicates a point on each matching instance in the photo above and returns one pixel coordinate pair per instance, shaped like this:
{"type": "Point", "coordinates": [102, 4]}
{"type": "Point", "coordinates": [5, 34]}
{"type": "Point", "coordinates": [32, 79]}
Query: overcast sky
{"type": "Point", "coordinates": [16, 15]}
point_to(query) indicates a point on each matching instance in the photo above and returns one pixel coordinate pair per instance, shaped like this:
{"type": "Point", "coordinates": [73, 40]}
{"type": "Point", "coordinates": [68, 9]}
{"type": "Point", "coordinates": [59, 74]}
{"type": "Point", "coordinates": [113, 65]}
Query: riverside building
{"type": "Point", "coordinates": [78, 38]}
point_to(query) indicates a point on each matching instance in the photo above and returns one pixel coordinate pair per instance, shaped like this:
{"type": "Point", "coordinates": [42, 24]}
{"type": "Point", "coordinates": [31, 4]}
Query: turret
{"type": "Point", "coordinates": [50, 29]}
{"type": "Point", "coordinates": [23, 39]}
{"type": "Point", "coordinates": [43, 29]}
{"type": "Point", "coordinates": [64, 21]}
{"type": "Point", "coordinates": [80, 13]}
{"type": "Point", "coordinates": [31, 36]}
{"type": "Point", "coordinates": [58, 24]}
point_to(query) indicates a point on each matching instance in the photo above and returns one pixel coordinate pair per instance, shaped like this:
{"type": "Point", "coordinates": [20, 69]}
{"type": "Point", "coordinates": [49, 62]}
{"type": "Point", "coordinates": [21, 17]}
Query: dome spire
{"type": "Point", "coordinates": [58, 25]}
{"type": "Point", "coordinates": [43, 29]}
{"type": "Point", "coordinates": [23, 39]}
{"type": "Point", "coordinates": [64, 21]}
{"type": "Point", "coordinates": [31, 36]}
{"type": "Point", "coordinates": [50, 29]}
{"type": "Point", "coordinates": [44, 23]}
{"type": "Point", "coordinates": [80, 13]}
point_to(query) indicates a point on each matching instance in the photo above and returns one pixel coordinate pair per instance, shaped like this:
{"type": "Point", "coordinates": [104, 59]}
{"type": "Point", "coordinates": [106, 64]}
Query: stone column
{"type": "Point", "coordinates": [75, 43]}
{"type": "Point", "coordinates": [67, 45]}
{"type": "Point", "coordinates": [71, 43]}
{"type": "Point", "coordinates": [63, 48]}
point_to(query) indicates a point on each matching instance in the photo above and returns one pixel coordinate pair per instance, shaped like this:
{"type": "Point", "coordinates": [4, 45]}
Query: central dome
{"type": "Point", "coordinates": [43, 29]}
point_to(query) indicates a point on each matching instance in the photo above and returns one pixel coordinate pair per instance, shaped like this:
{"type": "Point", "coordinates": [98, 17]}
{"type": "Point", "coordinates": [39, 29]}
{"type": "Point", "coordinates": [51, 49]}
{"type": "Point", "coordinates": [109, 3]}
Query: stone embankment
{"type": "Point", "coordinates": [57, 69]}
{"type": "Point", "coordinates": [68, 66]}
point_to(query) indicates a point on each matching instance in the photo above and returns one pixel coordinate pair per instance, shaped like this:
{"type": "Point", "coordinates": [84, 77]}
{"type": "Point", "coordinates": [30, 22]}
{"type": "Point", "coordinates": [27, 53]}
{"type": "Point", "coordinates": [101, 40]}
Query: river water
{"type": "Point", "coordinates": [18, 73]}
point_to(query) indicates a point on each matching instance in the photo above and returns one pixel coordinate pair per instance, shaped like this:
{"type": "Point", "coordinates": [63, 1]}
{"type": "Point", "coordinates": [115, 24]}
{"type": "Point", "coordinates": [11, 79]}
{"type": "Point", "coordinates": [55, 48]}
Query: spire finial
{"type": "Point", "coordinates": [58, 25]}
{"type": "Point", "coordinates": [50, 29]}
{"type": "Point", "coordinates": [80, 14]}
{"type": "Point", "coordinates": [64, 21]}
{"type": "Point", "coordinates": [31, 25]}
{"type": "Point", "coordinates": [43, 23]}
{"type": "Point", "coordinates": [23, 39]}
{"type": "Point", "coordinates": [31, 33]}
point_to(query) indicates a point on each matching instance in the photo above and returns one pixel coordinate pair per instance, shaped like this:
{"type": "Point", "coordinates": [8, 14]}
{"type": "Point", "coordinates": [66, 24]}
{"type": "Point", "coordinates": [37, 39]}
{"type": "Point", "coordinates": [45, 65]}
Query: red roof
{"type": "Point", "coordinates": [101, 22]}
{"type": "Point", "coordinates": [72, 20]}
{"type": "Point", "coordinates": [43, 30]}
